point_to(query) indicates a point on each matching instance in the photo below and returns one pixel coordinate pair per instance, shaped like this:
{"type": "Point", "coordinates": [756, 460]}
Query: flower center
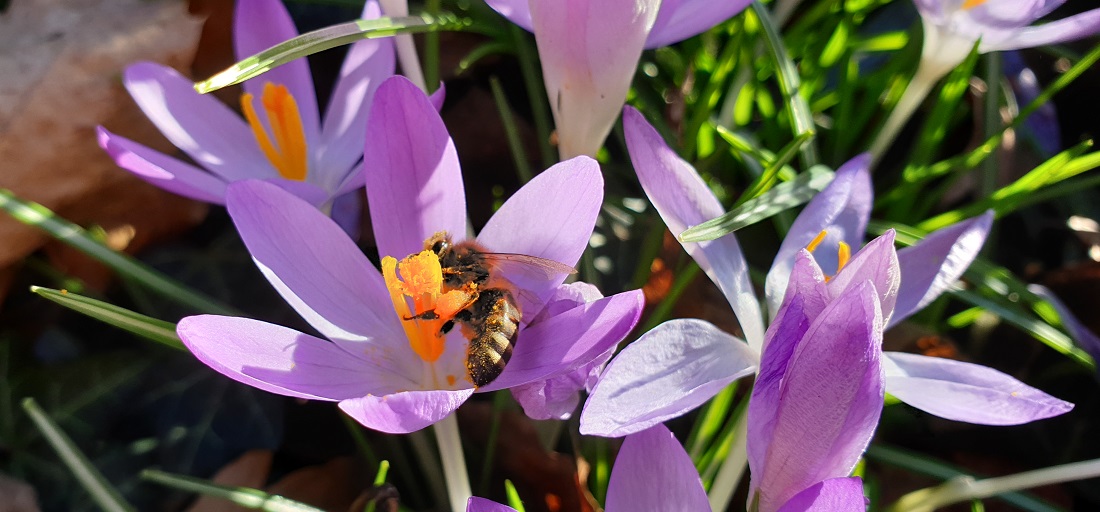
{"type": "Point", "coordinates": [970, 4]}
{"type": "Point", "coordinates": [424, 306]}
{"type": "Point", "coordinates": [287, 152]}
{"type": "Point", "coordinates": [843, 252]}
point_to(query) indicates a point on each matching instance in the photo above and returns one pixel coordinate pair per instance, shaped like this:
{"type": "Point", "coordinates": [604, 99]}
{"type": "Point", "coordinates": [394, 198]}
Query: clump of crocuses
{"type": "Point", "coordinates": [682, 363]}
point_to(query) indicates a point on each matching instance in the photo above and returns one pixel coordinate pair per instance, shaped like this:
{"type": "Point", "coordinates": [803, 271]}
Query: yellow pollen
{"type": "Point", "coordinates": [421, 283]}
{"type": "Point", "coordinates": [288, 150]}
{"type": "Point", "coordinates": [451, 380]}
{"type": "Point", "coordinates": [816, 241]}
{"type": "Point", "coordinates": [970, 4]}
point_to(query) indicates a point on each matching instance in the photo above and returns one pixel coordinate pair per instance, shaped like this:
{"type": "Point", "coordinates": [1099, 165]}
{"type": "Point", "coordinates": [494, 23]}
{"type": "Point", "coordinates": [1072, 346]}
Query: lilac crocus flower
{"type": "Point", "coordinates": [682, 363]}
{"type": "Point", "coordinates": [818, 396]}
{"type": "Point", "coordinates": [651, 472]}
{"type": "Point", "coordinates": [282, 138]}
{"type": "Point", "coordinates": [387, 370]}
{"type": "Point", "coordinates": [590, 49]}
{"type": "Point", "coordinates": [953, 27]}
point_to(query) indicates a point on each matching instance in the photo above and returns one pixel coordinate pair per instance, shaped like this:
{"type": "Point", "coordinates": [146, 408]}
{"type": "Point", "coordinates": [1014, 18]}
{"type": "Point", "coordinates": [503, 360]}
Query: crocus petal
{"type": "Point", "coordinates": [1042, 125]}
{"type": "Point", "coordinates": [563, 342]}
{"type": "Point", "coordinates": [439, 97]}
{"type": "Point", "coordinates": [517, 11]}
{"type": "Point", "coordinates": [676, 20]}
{"type": "Point", "coordinates": [930, 267]}
{"type": "Point", "coordinates": [408, 411]}
{"type": "Point", "coordinates": [681, 19]}
{"type": "Point", "coordinates": [842, 210]}
{"type": "Point", "coordinates": [832, 495]}
{"type": "Point", "coordinates": [476, 504]}
{"type": "Point", "coordinates": [367, 64]}
{"type": "Point", "coordinates": [284, 361]}
{"type": "Point", "coordinates": [876, 262]}
{"type": "Point", "coordinates": [653, 472]}
{"type": "Point", "coordinates": [214, 136]}
{"type": "Point", "coordinates": [966, 392]}
{"type": "Point", "coordinates": [828, 403]}
{"type": "Point", "coordinates": [563, 201]}
{"type": "Point", "coordinates": [683, 200]}
{"type": "Point", "coordinates": [1066, 29]}
{"type": "Point", "coordinates": [414, 184]}
{"type": "Point", "coordinates": [787, 331]}
{"type": "Point", "coordinates": [162, 170]}
{"type": "Point", "coordinates": [671, 369]}
{"type": "Point", "coordinates": [932, 9]}
{"type": "Point", "coordinates": [1084, 336]}
{"type": "Point", "coordinates": [589, 51]}
{"type": "Point", "coordinates": [259, 25]}
{"type": "Point", "coordinates": [315, 266]}
{"type": "Point", "coordinates": [557, 397]}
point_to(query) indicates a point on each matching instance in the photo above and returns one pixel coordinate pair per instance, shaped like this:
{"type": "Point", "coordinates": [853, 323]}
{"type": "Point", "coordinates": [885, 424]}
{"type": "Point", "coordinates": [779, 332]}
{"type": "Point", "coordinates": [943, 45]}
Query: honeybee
{"type": "Point", "coordinates": [490, 319]}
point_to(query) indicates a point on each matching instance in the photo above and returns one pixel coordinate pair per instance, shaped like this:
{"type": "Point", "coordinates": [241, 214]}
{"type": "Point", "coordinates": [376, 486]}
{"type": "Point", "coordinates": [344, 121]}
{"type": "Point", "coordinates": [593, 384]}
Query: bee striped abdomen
{"type": "Point", "coordinates": [495, 323]}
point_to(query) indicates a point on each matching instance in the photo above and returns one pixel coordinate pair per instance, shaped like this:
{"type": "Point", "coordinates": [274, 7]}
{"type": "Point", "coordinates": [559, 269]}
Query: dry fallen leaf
{"type": "Point", "coordinates": [17, 496]}
{"type": "Point", "coordinates": [60, 76]}
{"type": "Point", "coordinates": [249, 470]}
{"type": "Point", "coordinates": [547, 481]}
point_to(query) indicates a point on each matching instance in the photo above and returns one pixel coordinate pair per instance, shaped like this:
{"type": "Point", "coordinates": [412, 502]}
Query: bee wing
{"type": "Point", "coordinates": [530, 267]}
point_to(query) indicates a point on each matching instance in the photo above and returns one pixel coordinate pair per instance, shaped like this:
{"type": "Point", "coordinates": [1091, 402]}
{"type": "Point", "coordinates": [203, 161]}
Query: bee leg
{"type": "Point", "coordinates": [424, 315]}
{"type": "Point", "coordinates": [450, 324]}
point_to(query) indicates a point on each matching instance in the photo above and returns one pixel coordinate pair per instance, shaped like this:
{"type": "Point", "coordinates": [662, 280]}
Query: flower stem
{"type": "Point", "coordinates": [965, 488]}
{"type": "Point", "coordinates": [406, 50]}
{"type": "Point", "coordinates": [915, 93]}
{"type": "Point", "coordinates": [454, 462]}
{"type": "Point", "coordinates": [729, 475]}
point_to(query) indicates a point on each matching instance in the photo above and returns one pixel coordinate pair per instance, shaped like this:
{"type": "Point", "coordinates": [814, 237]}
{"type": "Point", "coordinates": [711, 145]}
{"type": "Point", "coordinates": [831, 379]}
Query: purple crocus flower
{"type": "Point", "coordinates": [388, 371]}
{"type": "Point", "coordinates": [282, 138]}
{"type": "Point", "coordinates": [1042, 125]}
{"type": "Point", "coordinates": [590, 49]}
{"type": "Point", "coordinates": [953, 27]}
{"type": "Point", "coordinates": [819, 392]}
{"type": "Point", "coordinates": [682, 363]}
{"type": "Point", "coordinates": [652, 472]}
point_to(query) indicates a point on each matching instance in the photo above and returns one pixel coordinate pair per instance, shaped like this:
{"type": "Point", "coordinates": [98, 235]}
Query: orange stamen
{"type": "Point", "coordinates": [287, 153]}
{"type": "Point", "coordinates": [816, 241]}
{"type": "Point", "coordinates": [970, 4]}
{"type": "Point", "coordinates": [843, 254]}
{"type": "Point", "coordinates": [421, 283]}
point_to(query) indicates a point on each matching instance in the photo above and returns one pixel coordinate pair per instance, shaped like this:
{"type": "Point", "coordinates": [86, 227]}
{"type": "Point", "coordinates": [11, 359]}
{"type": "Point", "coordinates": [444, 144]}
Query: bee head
{"type": "Point", "coordinates": [439, 243]}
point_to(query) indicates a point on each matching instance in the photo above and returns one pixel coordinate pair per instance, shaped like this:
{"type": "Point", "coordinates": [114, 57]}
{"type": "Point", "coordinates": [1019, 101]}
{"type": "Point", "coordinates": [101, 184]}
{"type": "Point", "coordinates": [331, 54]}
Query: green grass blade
{"type": "Point", "coordinates": [106, 496]}
{"type": "Point", "coordinates": [780, 198]}
{"type": "Point", "coordinates": [145, 326]}
{"type": "Point", "coordinates": [511, 132]}
{"type": "Point", "coordinates": [1036, 328]}
{"type": "Point", "coordinates": [790, 83]}
{"type": "Point", "coordinates": [39, 216]}
{"type": "Point", "coordinates": [767, 179]}
{"type": "Point", "coordinates": [323, 39]}
{"type": "Point", "coordinates": [999, 282]}
{"type": "Point", "coordinates": [241, 496]}
{"type": "Point", "coordinates": [926, 466]}
{"type": "Point", "coordinates": [1009, 198]}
